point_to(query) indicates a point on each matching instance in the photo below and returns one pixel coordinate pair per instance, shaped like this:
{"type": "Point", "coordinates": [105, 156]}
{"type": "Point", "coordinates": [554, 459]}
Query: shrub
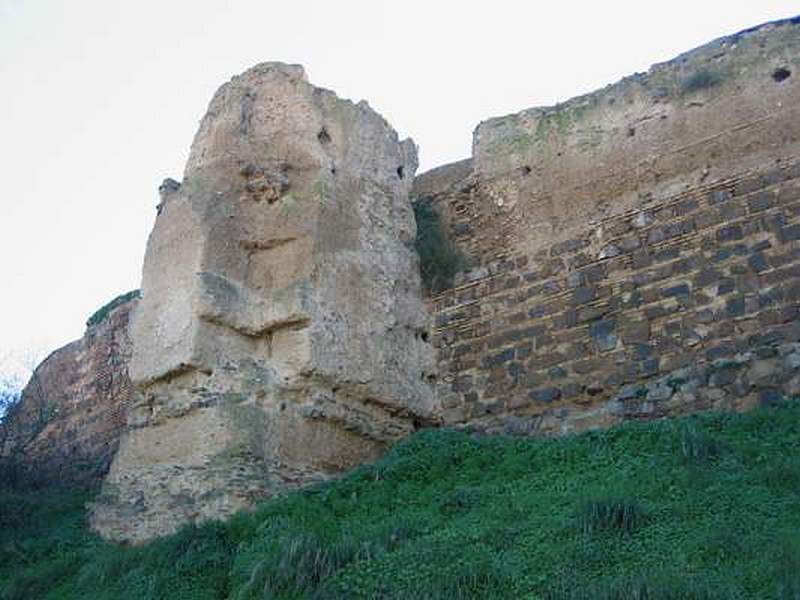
{"type": "Point", "coordinates": [439, 259]}
{"type": "Point", "coordinates": [697, 446]}
{"type": "Point", "coordinates": [101, 313]}
{"type": "Point", "coordinates": [621, 515]}
{"type": "Point", "coordinates": [701, 79]}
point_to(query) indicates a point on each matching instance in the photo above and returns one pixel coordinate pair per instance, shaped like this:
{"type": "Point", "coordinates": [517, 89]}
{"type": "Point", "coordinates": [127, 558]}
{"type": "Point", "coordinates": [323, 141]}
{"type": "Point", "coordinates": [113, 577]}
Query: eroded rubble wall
{"type": "Point", "coordinates": [67, 426]}
{"type": "Point", "coordinates": [634, 252]}
{"type": "Point", "coordinates": [281, 335]}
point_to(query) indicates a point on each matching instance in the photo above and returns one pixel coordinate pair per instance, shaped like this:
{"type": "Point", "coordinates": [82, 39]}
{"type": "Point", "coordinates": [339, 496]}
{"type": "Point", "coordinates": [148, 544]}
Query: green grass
{"type": "Point", "coordinates": [704, 507]}
{"type": "Point", "coordinates": [101, 313]}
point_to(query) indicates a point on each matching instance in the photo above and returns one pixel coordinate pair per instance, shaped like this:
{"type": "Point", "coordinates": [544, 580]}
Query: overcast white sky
{"type": "Point", "coordinates": [99, 101]}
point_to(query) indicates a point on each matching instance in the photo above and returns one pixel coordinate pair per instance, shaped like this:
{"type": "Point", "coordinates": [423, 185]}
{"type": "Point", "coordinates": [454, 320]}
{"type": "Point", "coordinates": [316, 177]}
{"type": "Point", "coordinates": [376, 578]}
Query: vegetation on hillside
{"type": "Point", "coordinates": [701, 79]}
{"type": "Point", "coordinates": [101, 313]}
{"type": "Point", "coordinates": [696, 508]}
{"type": "Point", "coordinates": [439, 259]}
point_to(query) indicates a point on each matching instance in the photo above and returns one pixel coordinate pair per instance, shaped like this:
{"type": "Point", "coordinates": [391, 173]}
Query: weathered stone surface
{"type": "Point", "coordinates": [653, 223]}
{"type": "Point", "coordinates": [67, 426]}
{"type": "Point", "coordinates": [281, 336]}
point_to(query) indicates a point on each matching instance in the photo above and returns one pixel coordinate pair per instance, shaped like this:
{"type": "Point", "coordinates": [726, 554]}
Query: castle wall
{"type": "Point", "coordinates": [67, 426]}
{"type": "Point", "coordinates": [634, 251]}
{"type": "Point", "coordinates": [280, 337]}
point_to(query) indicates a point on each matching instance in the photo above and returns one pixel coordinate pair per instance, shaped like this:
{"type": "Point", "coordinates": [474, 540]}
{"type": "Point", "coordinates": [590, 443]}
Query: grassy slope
{"type": "Point", "coordinates": [704, 507]}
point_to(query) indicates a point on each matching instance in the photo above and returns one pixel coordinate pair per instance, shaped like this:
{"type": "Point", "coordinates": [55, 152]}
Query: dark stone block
{"type": "Point", "coordinates": [642, 259]}
{"type": "Point", "coordinates": [635, 332]}
{"type": "Point", "coordinates": [602, 333]}
{"type": "Point", "coordinates": [721, 377]}
{"type": "Point", "coordinates": [656, 235]}
{"type": "Point", "coordinates": [654, 312]}
{"type": "Point", "coordinates": [667, 254]}
{"type": "Point", "coordinates": [760, 201]}
{"type": "Point", "coordinates": [649, 367]}
{"type": "Point", "coordinates": [586, 366]}
{"type": "Point", "coordinates": [545, 395]}
{"type": "Point", "coordinates": [722, 254]}
{"type": "Point", "coordinates": [773, 222]}
{"type": "Point", "coordinates": [720, 351]}
{"type": "Point", "coordinates": [761, 246]}
{"type": "Point", "coordinates": [533, 331]}
{"type": "Point", "coordinates": [591, 313]}
{"type": "Point", "coordinates": [629, 244]}
{"type": "Point", "coordinates": [462, 228]}
{"type": "Point", "coordinates": [463, 383]}
{"type": "Point", "coordinates": [603, 328]}
{"type": "Point", "coordinates": [568, 246]}
{"type": "Point", "coordinates": [717, 196]}
{"type": "Point", "coordinates": [748, 185]}
{"type": "Point", "coordinates": [524, 351]}
{"type": "Point", "coordinates": [516, 369]}
{"type": "Point", "coordinates": [583, 294]}
{"type": "Point", "coordinates": [686, 206]}
{"type": "Point", "coordinates": [487, 362]}
{"type": "Point", "coordinates": [726, 286]}
{"type": "Point", "coordinates": [677, 290]}
{"type": "Point", "coordinates": [731, 212]}
{"type": "Point", "coordinates": [790, 233]}
{"type": "Point", "coordinates": [537, 311]}
{"type": "Point", "coordinates": [729, 233]}
{"type": "Point", "coordinates": [734, 307]}
{"type": "Point", "coordinates": [642, 351]}
{"type": "Point", "coordinates": [706, 277]}
{"type": "Point", "coordinates": [758, 262]}
{"type": "Point", "coordinates": [594, 273]}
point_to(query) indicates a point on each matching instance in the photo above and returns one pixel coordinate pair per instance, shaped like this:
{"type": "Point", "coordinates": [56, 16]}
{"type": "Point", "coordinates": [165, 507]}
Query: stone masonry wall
{"type": "Point", "coordinates": [634, 251]}
{"type": "Point", "coordinates": [67, 427]}
{"type": "Point", "coordinates": [698, 280]}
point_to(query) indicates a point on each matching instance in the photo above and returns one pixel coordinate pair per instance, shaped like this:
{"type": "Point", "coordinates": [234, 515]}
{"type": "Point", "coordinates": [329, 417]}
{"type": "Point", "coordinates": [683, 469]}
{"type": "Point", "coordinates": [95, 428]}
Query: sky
{"type": "Point", "coordinates": [100, 99]}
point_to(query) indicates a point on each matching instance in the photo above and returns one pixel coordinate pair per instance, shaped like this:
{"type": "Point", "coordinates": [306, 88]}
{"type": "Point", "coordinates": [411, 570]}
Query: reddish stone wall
{"type": "Point", "coordinates": [73, 411]}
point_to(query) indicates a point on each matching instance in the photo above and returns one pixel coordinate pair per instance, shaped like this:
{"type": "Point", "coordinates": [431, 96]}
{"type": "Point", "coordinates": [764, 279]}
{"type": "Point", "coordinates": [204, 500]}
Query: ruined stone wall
{"type": "Point", "coordinates": [281, 335]}
{"type": "Point", "coordinates": [634, 251]}
{"type": "Point", "coordinates": [72, 413]}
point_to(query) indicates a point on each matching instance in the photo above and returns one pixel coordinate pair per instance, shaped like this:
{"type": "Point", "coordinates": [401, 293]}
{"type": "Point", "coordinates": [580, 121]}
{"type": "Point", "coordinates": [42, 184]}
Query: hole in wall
{"type": "Point", "coordinates": [400, 172]}
{"type": "Point", "coordinates": [526, 170]}
{"type": "Point", "coordinates": [323, 136]}
{"type": "Point", "coordinates": [631, 131]}
{"type": "Point", "coordinates": [780, 74]}
{"type": "Point", "coordinates": [424, 336]}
